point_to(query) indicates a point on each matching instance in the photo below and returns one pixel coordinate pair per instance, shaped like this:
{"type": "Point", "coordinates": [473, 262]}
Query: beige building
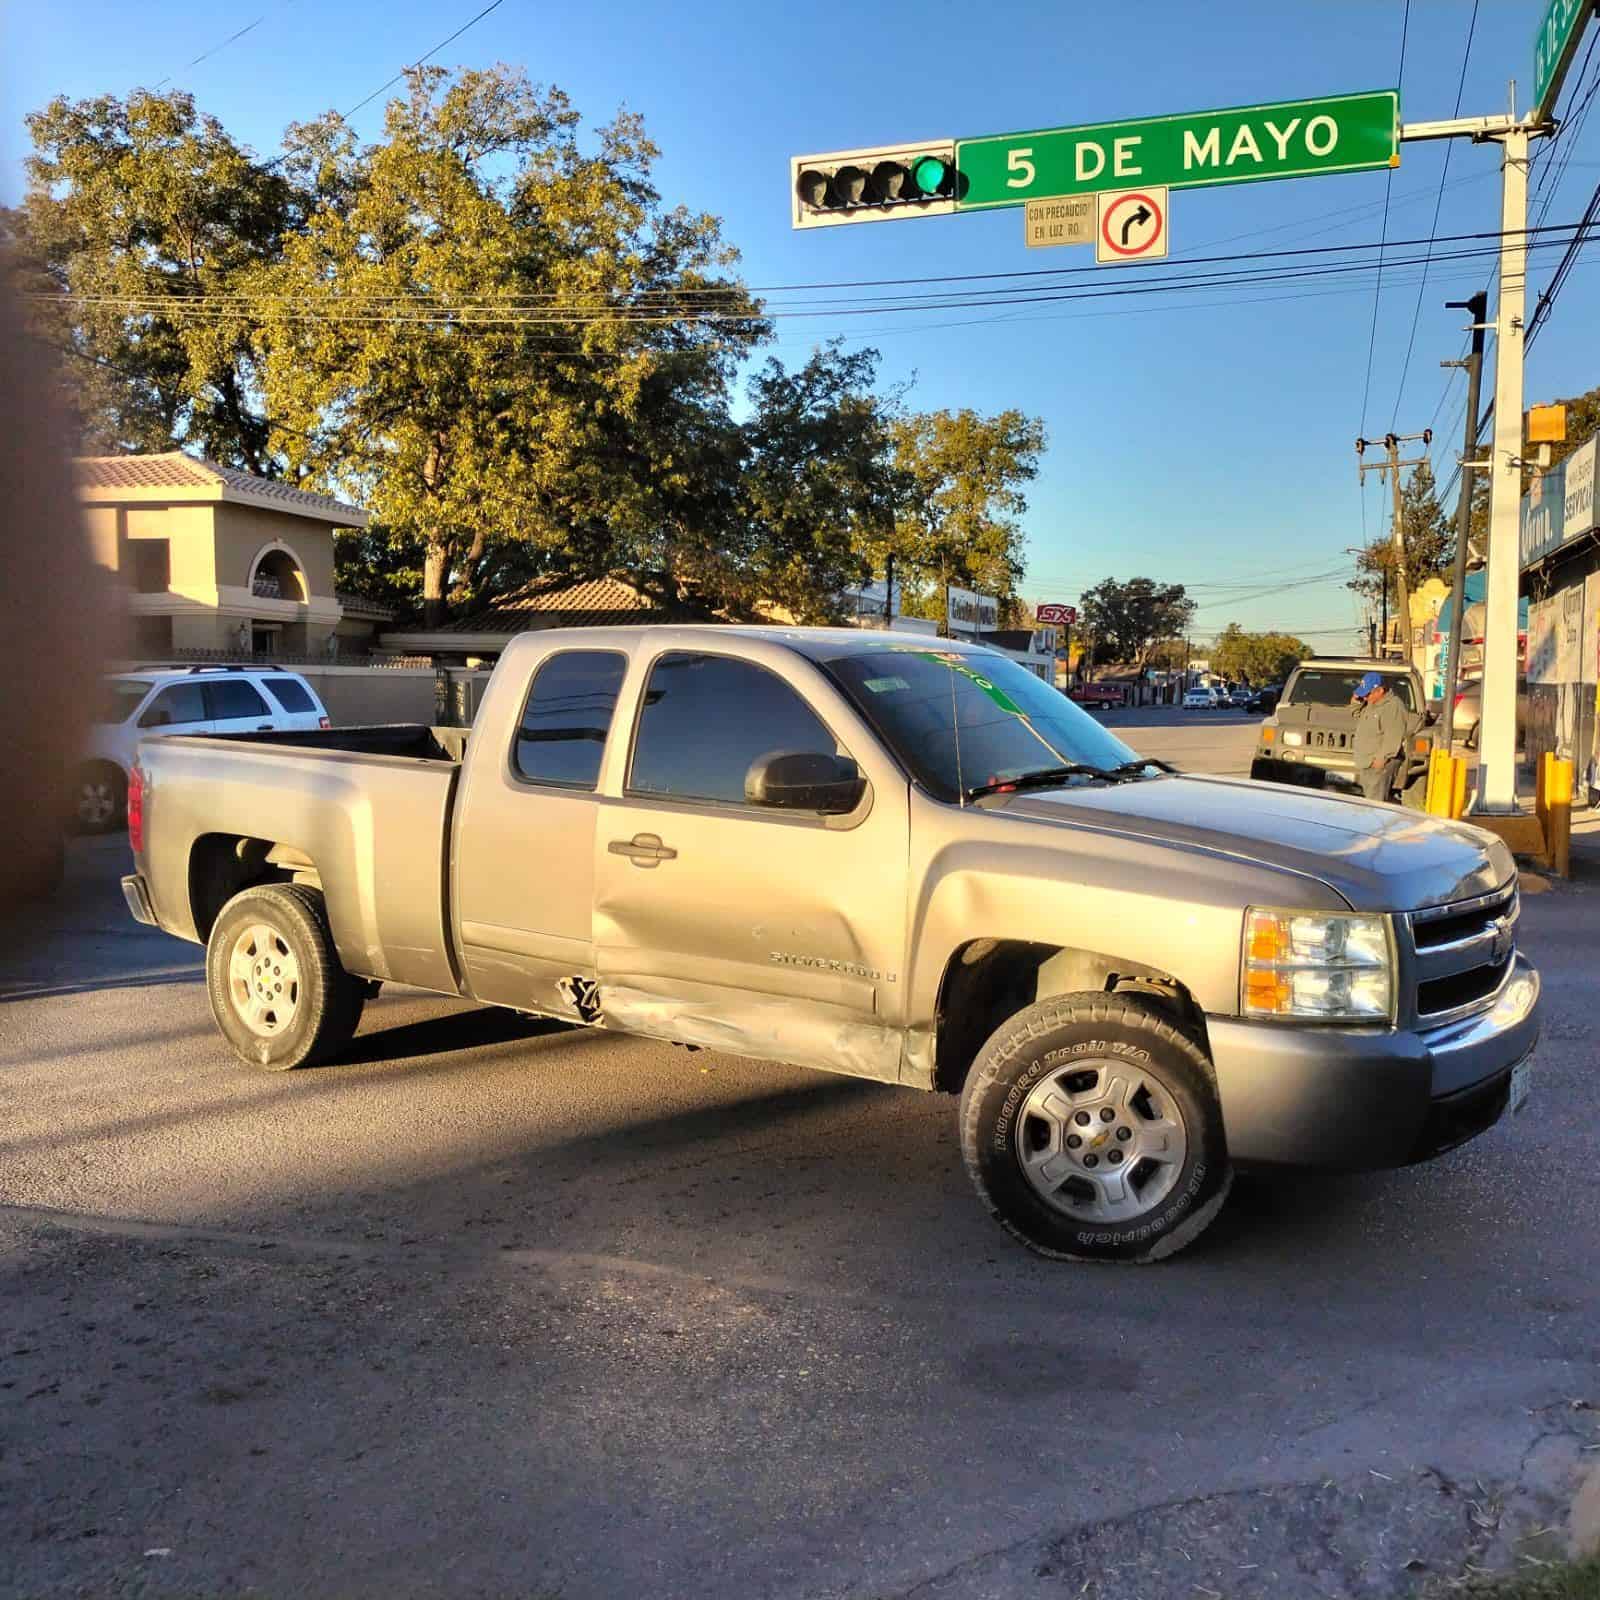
{"type": "Point", "coordinates": [214, 560]}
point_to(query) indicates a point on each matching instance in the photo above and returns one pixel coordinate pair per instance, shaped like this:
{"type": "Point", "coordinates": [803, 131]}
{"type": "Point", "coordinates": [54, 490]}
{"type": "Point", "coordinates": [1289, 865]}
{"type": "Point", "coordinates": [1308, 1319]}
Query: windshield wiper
{"type": "Point", "coordinates": [1044, 778]}
{"type": "Point", "coordinates": [1132, 769]}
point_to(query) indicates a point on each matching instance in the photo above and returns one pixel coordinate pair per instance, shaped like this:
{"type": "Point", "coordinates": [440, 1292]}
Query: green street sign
{"type": "Point", "coordinates": [1292, 139]}
{"type": "Point", "coordinates": [1554, 46]}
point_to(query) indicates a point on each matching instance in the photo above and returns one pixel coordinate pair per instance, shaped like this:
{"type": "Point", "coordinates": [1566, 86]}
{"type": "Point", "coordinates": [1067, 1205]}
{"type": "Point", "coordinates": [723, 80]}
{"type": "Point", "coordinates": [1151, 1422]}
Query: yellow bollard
{"type": "Point", "coordinates": [1446, 793]}
{"type": "Point", "coordinates": [1558, 816]}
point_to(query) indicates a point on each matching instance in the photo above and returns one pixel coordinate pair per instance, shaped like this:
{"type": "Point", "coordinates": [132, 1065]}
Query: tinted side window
{"type": "Point", "coordinates": [291, 694]}
{"type": "Point", "coordinates": [706, 718]}
{"type": "Point", "coordinates": [567, 717]}
{"type": "Point", "coordinates": [183, 702]}
{"type": "Point", "coordinates": [233, 697]}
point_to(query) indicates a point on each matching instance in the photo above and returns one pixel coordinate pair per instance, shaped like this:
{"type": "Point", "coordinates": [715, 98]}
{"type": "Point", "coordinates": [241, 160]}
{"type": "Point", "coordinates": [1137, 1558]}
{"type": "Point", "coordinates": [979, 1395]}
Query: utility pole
{"type": "Point", "coordinates": [1392, 442]}
{"type": "Point", "coordinates": [1477, 307]}
{"type": "Point", "coordinates": [888, 590]}
{"type": "Point", "coordinates": [1497, 743]}
{"type": "Point", "coordinates": [1497, 771]}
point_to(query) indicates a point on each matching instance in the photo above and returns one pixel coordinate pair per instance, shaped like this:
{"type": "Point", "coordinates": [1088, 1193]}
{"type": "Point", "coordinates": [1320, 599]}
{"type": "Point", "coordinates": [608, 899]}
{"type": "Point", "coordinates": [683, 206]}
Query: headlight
{"type": "Point", "coordinates": [1327, 966]}
{"type": "Point", "coordinates": [1290, 736]}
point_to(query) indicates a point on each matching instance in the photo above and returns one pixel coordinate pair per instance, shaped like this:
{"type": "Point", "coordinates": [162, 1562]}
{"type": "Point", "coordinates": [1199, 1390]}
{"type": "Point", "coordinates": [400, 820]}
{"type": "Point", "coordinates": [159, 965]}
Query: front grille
{"type": "Point", "coordinates": [1455, 925]}
{"type": "Point", "coordinates": [1461, 988]}
{"type": "Point", "coordinates": [1464, 952]}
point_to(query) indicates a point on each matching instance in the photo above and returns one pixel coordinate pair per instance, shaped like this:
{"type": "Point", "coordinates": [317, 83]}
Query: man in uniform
{"type": "Point", "coordinates": [1380, 737]}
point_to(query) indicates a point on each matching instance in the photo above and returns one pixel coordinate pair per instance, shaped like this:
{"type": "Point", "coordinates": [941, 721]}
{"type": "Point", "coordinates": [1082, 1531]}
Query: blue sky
{"type": "Point", "coordinates": [1208, 441]}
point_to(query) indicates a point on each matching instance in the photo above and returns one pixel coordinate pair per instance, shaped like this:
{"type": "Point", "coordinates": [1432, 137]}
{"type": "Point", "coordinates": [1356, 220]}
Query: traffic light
{"type": "Point", "coordinates": [883, 185]}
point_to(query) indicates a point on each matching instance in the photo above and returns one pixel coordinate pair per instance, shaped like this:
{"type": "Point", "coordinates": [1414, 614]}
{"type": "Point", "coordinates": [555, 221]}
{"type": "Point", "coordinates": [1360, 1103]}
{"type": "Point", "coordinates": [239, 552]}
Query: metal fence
{"type": "Point", "coordinates": [290, 658]}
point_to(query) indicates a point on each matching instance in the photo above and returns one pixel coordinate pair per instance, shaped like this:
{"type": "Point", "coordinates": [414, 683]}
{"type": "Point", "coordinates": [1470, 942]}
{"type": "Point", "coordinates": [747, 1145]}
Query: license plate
{"type": "Point", "coordinates": [1521, 1083]}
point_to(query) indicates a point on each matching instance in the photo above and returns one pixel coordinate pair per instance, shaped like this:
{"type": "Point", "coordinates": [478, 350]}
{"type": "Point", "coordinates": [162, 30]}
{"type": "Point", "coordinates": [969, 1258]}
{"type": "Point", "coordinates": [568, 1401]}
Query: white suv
{"type": "Point", "coordinates": [164, 700]}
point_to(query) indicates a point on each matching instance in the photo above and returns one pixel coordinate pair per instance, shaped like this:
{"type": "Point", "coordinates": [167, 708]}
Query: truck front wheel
{"type": "Point", "coordinates": [1091, 1129]}
{"type": "Point", "coordinates": [278, 992]}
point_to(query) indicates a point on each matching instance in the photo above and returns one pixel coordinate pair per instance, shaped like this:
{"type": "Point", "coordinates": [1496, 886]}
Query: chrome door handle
{"type": "Point", "coordinates": [643, 849]}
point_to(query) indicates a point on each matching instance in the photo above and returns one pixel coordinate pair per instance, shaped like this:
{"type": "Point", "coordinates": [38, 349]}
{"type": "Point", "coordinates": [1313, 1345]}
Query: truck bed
{"type": "Point", "coordinates": [412, 741]}
{"type": "Point", "coordinates": [368, 808]}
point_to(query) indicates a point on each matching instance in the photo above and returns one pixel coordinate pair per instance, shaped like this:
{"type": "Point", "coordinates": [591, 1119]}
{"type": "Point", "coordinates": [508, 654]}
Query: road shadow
{"type": "Point", "coordinates": [25, 989]}
{"type": "Point", "coordinates": [444, 1035]}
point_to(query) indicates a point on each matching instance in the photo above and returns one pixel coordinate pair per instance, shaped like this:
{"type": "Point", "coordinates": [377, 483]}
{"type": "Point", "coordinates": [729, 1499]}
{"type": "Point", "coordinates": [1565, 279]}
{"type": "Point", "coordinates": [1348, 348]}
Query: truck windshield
{"type": "Point", "coordinates": [1333, 686]}
{"type": "Point", "coordinates": [962, 721]}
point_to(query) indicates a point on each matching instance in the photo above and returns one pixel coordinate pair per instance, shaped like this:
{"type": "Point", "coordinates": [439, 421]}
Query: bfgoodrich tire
{"type": "Point", "coordinates": [1091, 1129]}
{"type": "Point", "coordinates": [277, 990]}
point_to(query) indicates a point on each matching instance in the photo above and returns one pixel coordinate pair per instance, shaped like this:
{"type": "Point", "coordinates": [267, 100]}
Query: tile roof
{"type": "Point", "coordinates": [171, 473]}
{"type": "Point", "coordinates": [570, 603]}
{"type": "Point", "coordinates": [358, 605]}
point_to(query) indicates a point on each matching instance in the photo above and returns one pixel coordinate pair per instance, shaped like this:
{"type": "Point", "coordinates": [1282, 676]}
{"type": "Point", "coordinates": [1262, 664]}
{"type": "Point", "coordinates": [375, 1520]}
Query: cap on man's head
{"type": "Point", "coordinates": [1373, 680]}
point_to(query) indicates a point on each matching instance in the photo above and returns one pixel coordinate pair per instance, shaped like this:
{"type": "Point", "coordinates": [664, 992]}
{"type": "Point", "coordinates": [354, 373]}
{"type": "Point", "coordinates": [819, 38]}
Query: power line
{"type": "Point", "coordinates": [361, 105]}
{"type": "Point", "coordinates": [427, 55]}
{"type": "Point", "coordinates": [543, 308]}
{"type": "Point", "coordinates": [206, 55]}
{"type": "Point", "coordinates": [1444, 173]}
{"type": "Point", "coordinates": [1383, 233]}
{"type": "Point", "coordinates": [1541, 311]}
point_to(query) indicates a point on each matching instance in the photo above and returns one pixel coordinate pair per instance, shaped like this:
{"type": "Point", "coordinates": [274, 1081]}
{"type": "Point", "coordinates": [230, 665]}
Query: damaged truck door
{"type": "Point", "coordinates": [765, 913]}
{"type": "Point", "coordinates": [524, 878]}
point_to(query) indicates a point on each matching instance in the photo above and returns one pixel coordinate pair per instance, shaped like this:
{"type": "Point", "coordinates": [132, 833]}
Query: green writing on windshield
{"type": "Point", "coordinates": [988, 686]}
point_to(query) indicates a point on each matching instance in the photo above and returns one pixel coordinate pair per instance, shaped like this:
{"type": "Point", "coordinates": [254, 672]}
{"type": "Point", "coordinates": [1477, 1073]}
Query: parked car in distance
{"type": "Point", "coordinates": [1265, 698]}
{"type": "Point", "coordinates": [1239, 698]}
{"type": "Point", "coordinates": [156, 701]}
{"type": "Point", "coordinates": [1310, 737]}
{"type": "Point", "coordinates": [1095, 696]}
{"type": "Point", "coordinates": [1202, 699]}
{"type": "Point", "coordinates": [1469, 711]}
{"type": "Point", "coordinates": [867, 855]}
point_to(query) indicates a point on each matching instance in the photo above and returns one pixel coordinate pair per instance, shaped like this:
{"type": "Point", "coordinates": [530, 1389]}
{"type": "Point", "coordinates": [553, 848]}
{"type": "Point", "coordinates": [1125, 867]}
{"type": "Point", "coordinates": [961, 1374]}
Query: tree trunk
{"type": "Point", "coordinates": [434, 565]}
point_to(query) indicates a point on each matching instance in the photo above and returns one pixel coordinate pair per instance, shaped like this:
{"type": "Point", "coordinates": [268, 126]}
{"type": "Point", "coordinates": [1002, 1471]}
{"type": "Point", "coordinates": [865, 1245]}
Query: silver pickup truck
{"type": "Point", "coordinates": [872, 853]}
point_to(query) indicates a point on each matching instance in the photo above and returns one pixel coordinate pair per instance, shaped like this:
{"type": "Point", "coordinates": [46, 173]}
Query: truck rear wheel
{"type": "Point", "coordinates": [1091, 1128]}
{"type": "Point", "coordinates": [278, 992]}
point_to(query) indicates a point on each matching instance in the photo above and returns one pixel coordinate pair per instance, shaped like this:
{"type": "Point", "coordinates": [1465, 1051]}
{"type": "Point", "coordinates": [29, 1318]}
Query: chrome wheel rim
{"type": "Point", "coordinates": [96, 803]}
{"type": "Point", "coordinates": [263, 980]}
{"type": "Point", "coordinates": [1101, 1140]}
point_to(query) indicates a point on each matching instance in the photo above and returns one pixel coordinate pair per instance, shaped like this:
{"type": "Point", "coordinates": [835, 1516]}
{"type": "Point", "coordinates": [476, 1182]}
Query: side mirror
{"type": "Point", "coordinates": [802, 780]}
{"type": "Point", "coordinates": [159, 717]}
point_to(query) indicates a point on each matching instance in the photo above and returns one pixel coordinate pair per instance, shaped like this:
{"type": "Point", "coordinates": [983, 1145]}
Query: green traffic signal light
{"type": "Point", "coordinates": [929, 174]}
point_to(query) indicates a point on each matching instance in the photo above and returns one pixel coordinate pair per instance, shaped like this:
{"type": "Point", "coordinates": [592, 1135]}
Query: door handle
{"type": "Point", "coordinates": [643, 849]}
{"type": "Point", "coordinates": [263, 727]}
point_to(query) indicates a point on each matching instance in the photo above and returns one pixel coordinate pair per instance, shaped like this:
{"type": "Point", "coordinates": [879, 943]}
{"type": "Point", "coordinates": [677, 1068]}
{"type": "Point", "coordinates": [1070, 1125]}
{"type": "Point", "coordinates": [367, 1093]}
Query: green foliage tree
{"type": "Point", "coordinates": [819, 484]}
{"type": "Point", "coordinates": [402, 361]}
{"type": "Point", "coordinates": [1257, 657]}
{"type": "Point", "coordinates": [960, 499]}
{"type": "Point", "coordinates": [1128, 620]}
{"type": "Point", "coordinates": [134, 211]}
{"type": "Point", "coordinates": [1430, 541]}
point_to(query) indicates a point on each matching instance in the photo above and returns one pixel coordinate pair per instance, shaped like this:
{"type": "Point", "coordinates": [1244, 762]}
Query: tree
{"type": "Point", "coordinates": [1129, 619]}
{"type": "Point", "coordinates": [1430, 541]}
{"type": "Point", "coordinates": [135, 212]}
{"type": "Point", "coordinates": [473, 331]}
{"type": "Point", "coordinates": [961, 499]}
{"type": "Point", "coordinates": [1257, 657]}
{"type": "Point", "coordinates": [819, 484]}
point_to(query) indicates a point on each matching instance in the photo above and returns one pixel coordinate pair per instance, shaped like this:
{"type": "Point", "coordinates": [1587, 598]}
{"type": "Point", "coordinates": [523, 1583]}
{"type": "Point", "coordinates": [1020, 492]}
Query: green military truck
{"type": "Point", "coordinates": [1310, 738]}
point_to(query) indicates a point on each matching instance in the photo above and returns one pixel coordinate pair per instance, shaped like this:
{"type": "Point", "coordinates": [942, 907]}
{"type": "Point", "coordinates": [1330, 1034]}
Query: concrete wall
{"type": "Point", "coordinates": [243, 530]}
{"type": "Point", "coordinates": [100, 524]}
{"type": "Point", "coordinates": [357, 695]}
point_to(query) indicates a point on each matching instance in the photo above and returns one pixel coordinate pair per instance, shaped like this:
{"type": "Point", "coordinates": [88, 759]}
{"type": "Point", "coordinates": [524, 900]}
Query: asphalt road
{"type": "Point", "coordinates": [499, 1309]}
